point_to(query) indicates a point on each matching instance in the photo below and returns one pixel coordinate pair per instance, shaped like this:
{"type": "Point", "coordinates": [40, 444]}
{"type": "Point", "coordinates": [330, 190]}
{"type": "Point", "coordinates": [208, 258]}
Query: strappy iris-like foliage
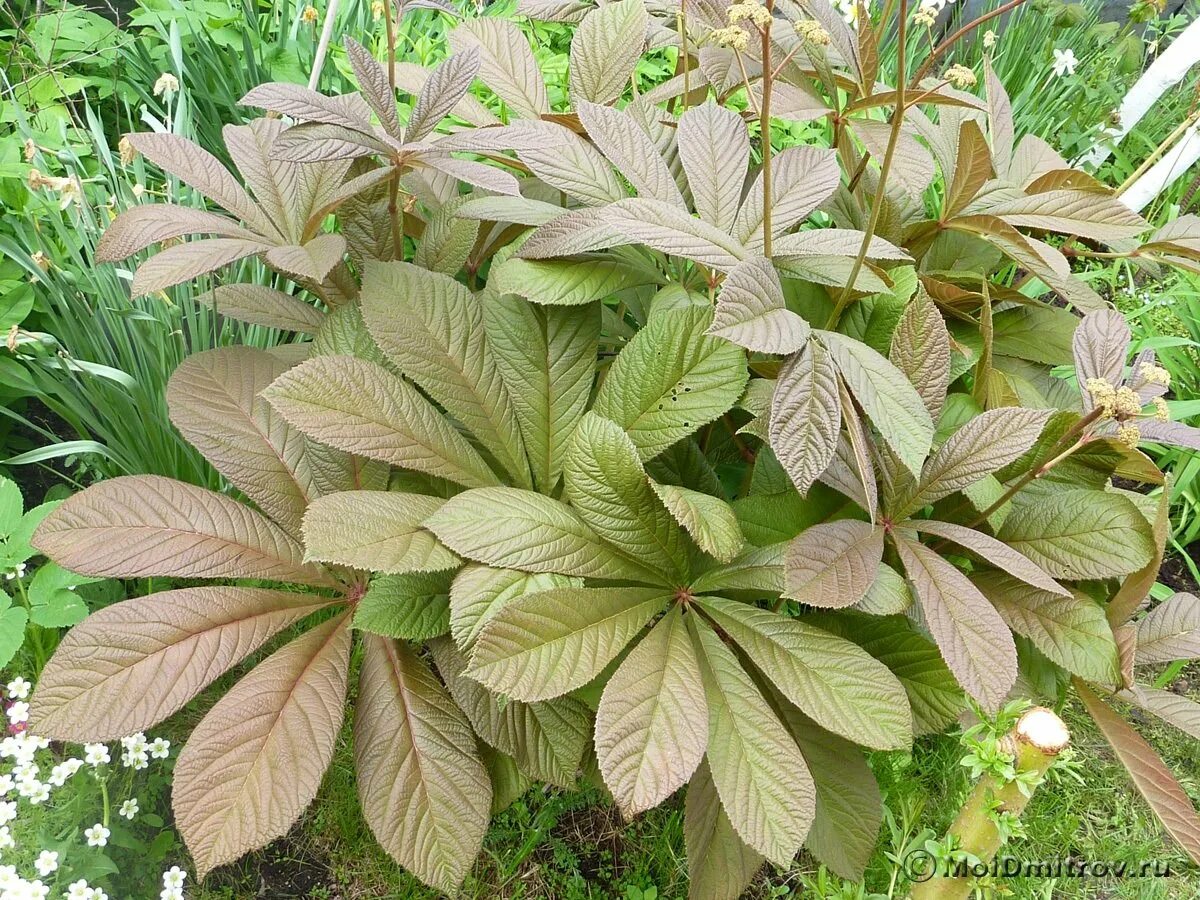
{"type": "Point", "coordinates": [660, 457]}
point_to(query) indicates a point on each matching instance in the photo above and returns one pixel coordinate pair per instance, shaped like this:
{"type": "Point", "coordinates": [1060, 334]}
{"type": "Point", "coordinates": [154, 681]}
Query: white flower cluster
{"type": "Point", "coordinates": [23, 781]}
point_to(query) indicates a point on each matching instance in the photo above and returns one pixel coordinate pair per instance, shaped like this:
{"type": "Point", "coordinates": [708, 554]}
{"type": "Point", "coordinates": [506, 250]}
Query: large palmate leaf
{"type": "Point", "coordinates": [1071, 630]}
{"type": "Point", "coordinates": [833, 564]}
{"type": "Point", "coordinates": [1078, 534]}
{"type": "Point", "coordinates": [546, 739]}
{"type": "Point", "coordinates": [849, 807]}
{"type": "Point", "coordinates": [885, 395]}
{"type": "Point", "coordinates": [147, 526]}
{"type": "Point", "coordinates": [713, 145]}
{"type": "Point", "coordinates": [362, 408]}
{"type": "Point", "coordinates": [609, 490]}
{"type": "Point", "coordinates": [830, 679]}
{"type": "Point", "coordinates": [1170, 631]}
{"type": "Point", "coordinates": [751, 310]}
{"type": "Point", "coordinates": [375, 530]}
{"type": "Point", "coordinates": [762, 780]}
{"type": "Point", "coordinates": [971, 635]}
{"type": "Point", "coordinates": [542, 645]}
{"type": "Point", "coordinates": [567, 282]}
{"type": "Point", "coordinates": [424, 792]}
{"type": "Point", "coordinates": [605, 49]}
{"type": "Point", "coordinates": [652, 722]}
{"type": "Point", "coordinates": [128, 666]}
{"type": "Point", "coordinates": [214, 402]}
{"type": "Point", "coordinates": [514, 529]}
{"type": "Point", "coordinates": [256, 759]}
{"type": "Point", "coordinates": [507, 65]}
{"type": "Point", "coordinates": [1148, 772]}
{"type": "Point", "coordinates": [671, 379]}
{"type": "Point", "coordinates": [547, 358]}
{"type": "Point", "coordinates": [982, 446]}
{"type": "Point", "coordinates": [720, 865]}
{"type": "Point", "coordinates": [413, 607]}
{"type": "Point", "coordinates": [920, 349]}
{"type": "Point", "coordinates": [806, 416]}
{"type": "Point", "coordinates": [631, 150]}
{"type": "Point", "coordinates": [432, 328]}
{"type": "Point", "coordinates": [479, 592]}
{"type": "Point", "coordinates": [711, 522]}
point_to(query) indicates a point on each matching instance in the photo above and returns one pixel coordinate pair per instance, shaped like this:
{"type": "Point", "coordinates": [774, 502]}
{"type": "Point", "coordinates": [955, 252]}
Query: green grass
{"type": "Point", "coordinates": [551, 844]}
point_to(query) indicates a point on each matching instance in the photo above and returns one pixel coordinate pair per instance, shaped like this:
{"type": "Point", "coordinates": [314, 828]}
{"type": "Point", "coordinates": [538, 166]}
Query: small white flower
{"type": "Point", "coordinates": [79, 890]}
{"type": "Point", "coordinates": [1064, 62]}
{"type": "Point", "coordinates": [8, 877]}
{"type": "Point", "coordinates": [160, 748]}
{"type": "Point", "coordinates": [129, 808]}
{"type": "Point", "coordinates": [96, 755]}
{"type": "Point", "coordinates": [174, 877]}
{"type": "Point", "coordinates": [6, 785]}
{"type": "Point", "coordinates": [135, 759]}
{"type": "Point", "coordinates": [18, 689]}
{"type": "Point", "coordinates": [170, 893]}
{"type": "Point", "coordinates": [18, 712]}
{"type": "Point", "coordinates": [35, 890]}
{"type": "Point", "coordinates": [18, 572]}
{"type": "Point", "coordinates": [97, 835]}
{"type": "Point", "coordinates": [26, 771]}
{"type": "Point", "coordinates": [98, 894]}
{"type": "Point", "coordinates": [6, 839]}
{"type": "Point", "coordinates": [134, 741]}
{"type": "Point", "coordinates": [40, 793]}
{"type": "Point", "coordinates": [8, 811]}
{"type": "Point", "coordinates": [46, 862]}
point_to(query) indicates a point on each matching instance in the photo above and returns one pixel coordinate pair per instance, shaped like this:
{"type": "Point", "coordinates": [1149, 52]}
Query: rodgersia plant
{"type": "Point", "coordinates": [630, 446]}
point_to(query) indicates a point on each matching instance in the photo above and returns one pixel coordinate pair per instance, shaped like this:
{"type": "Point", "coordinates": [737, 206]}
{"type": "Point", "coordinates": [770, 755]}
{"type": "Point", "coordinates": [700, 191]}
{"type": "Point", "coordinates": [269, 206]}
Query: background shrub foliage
{"type": "Point", "coordinates": [630, 447]}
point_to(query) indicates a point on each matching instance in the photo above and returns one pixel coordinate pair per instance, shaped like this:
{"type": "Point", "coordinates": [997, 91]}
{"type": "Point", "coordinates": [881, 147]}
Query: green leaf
{"type": "Point", "coordinates": [360, 407]}
{"type": "Point", "coordinates": [1072, 631]}
{"type": "Point", "coordinates": [414, 607]}
{"type": "Point", "coordinates": [886, 396]}
{"type": "Point", "coordinates": [762, 780]}
{"type": "Point", "coordinates": [53, 602]}
{"type": "Point", "coordinates": [543, 645]}
{"type": "Point", "coordinates": [849, 807]}
{"type": "Point", "coordinates": [609, 490]}
{"type": "Point", "coordinates": [830, 679]}
{"type": "Point", "coordinates": [509, 528]}
{"type": "Point", "coordinates": [752, 312]}
{"type": "Point", "coordinates": [546, 739]}
{"type": "Point", "coordinates": [920, 348]}
{"type": "Point", "coordinates": [652, 721]}
{"type": "Point", "coordinates": [720, 865]}
{"type": "Point", "coordinates": [756, 569]}
{"type": "Point", "coordinates": [568, 282]}
{"type": "Point", "coordinates": [1170, 630]}
{"type": "Point", "coordinates": [1080, 534]}
{"type": "Point", "coordinates": [432, 329]}
{"type": "Point", "coordinates": [670, 380]}
{"type": "Point", "coordinates": [478, 592]}
{"type": "Point", "coordinates": [933, 693]}
{"type": "Point", "coordinates": [12, 629]}
{"type": "Point", "coordinates": [1148, 773]}
{"type": "Point", "coordinates": [424, 792]}
{"type": "Point", "coordinates": [888, 595]}
{"type": "Point", "coordinates": [547, 358]}
{"type": "Point", "coordinates": [806, 416]}
{"type": "Point", "coordinates": [605, 49]}
{"type": "Point", "coordinates": [11, 506]}
{"type": "Point", "coordinates": [833, 564]}
{"type": "Point", "coordinates": [375, 530]}
{"type": "Point", "coordinates": [972, 637]}
{"type": "Point", "coordinates": [710, 521]}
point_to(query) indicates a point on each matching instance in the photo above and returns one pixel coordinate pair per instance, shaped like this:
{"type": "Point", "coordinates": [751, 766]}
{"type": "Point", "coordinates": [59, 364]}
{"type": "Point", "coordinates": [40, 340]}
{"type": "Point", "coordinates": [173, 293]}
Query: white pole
{"type": "Point", "coordinates": [1165, 172]}
{"type": "Point", "coordinates": [1164, 73]}
{"type": "Point", "coordinates": [323, 45]}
